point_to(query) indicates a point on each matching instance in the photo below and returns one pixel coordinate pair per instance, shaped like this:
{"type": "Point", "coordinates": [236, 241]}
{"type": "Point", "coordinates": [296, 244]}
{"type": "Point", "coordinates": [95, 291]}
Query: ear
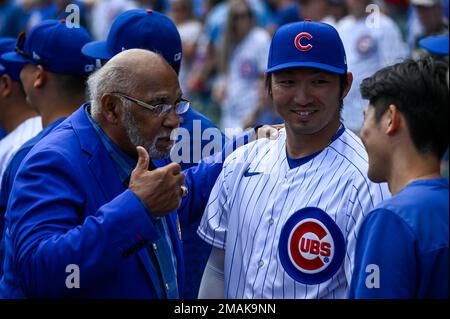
{"type": "Point", "coordinates": [349, 84]}
{"type": "Point", "coordinates": [6, 86]}
{"type": "Point", "coordinates": [40, 77]}
{"type": "Point", "coordinates": [110, 108]}
{"type": "Point", "coordinates": [393, 120]}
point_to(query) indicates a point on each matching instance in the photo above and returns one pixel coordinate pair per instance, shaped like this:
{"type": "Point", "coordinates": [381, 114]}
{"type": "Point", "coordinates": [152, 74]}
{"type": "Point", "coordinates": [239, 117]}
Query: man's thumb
{"type": "Point", "coordinates": [143, 160]}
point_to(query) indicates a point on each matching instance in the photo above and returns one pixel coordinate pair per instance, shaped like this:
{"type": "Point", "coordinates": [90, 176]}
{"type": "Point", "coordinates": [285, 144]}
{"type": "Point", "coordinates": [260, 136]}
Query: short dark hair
{"type": "Point", "coordinates": [419, 89]}
{"type": "Point", "coordinates": [71, 85]}
{"type": "Point", "coordinates": [343, 81]}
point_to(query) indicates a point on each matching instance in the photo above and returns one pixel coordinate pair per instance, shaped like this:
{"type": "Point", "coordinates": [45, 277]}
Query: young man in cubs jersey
{"type": "Point", "coordinates": [402, 248]}
{"type": "Point", "coordinates": [284, 214]}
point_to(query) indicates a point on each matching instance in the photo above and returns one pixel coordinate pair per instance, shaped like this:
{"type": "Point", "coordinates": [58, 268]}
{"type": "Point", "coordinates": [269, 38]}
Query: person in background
{"type": "Point", "coordinates": [397, 10]}
{"type": "Point", "coordinates": [242, 59]}
{"type": "Point", "coordinates": [19, 120]}
{"type": "Point", "coordinates": [190, 30]}
{"type": "Point", "coordinates": [265, 113]}
{"type": "Point", "coordinates": [433, 21]}
{"type": "Point", "coordinates": [54, 80]}
{"type": "Point", "coordinates": [13, 19]}
{"type": "Point", "coordinates": [206, 64]}
{"type": "Point", "coordinates": [58, 10]}
{"type": "Point", "coordinates": [317, 10]}
{"type": "Point", "coordinates": [371, 42]}
{"type": "Point", "coordinates": [337, 10]}
{"type": "Point", "coordinates": [284, 12]}
{"type": "Point", "coordinates": [438, 48]}
{"type": "Point", "coordinates": [435, 44]}
{"type": "Point", "coordinates": [104, 12]}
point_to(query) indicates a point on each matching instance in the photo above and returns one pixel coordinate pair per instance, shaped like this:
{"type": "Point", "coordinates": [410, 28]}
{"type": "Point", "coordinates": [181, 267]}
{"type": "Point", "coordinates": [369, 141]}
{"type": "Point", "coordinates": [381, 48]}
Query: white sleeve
{"type": "Point", "coordinates": [212, 285]}
{"type": "Point", "coordinates": [214, 224]}
{"type": "Point", "coordinates": [394, 49]}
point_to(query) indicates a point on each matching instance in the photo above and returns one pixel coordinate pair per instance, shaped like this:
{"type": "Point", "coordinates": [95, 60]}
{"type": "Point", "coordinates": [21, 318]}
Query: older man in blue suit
{"type": "Point", "coordinates": [85, 199]}
{"type": "Point", "coordinates": [154, 31]}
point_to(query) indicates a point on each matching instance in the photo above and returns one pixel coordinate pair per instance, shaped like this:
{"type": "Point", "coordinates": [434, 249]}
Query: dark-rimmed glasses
{"type": "Point", "coordinates": [160, 109]}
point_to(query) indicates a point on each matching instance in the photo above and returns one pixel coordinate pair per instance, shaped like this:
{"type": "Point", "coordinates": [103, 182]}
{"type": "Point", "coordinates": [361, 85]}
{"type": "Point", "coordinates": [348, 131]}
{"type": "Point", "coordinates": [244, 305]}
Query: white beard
{"type": "Point", "coordinates": [136, 138]}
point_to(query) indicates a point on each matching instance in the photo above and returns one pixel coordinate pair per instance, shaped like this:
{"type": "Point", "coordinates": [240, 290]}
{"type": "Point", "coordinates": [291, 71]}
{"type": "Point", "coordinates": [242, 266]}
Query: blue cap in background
{"type": "Point", "coordinates": [54, 46]}
{"type": "Point", "coordinates": [139, 29]}
{"type": "Point", "coordinates": [436, 44]}
{"type": "Point", "coordinates": [307, 44]}
{"type": "Point", "coordinates": [10, 68]}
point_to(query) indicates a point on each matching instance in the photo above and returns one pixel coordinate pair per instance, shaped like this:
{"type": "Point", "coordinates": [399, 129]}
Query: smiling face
{"type": "Point", "coordinates": [308, 99]}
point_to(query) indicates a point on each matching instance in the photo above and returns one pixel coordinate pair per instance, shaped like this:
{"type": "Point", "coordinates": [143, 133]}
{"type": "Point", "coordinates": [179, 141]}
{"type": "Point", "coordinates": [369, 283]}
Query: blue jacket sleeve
{"type": "Point", "coordinates": [5, 189]}
{"type": "Point", "coordinates": [200, 179]}
{"type": "Point", "coordinates": [385, 258]}
{"type": "Point", "coordinates": [52, 227]}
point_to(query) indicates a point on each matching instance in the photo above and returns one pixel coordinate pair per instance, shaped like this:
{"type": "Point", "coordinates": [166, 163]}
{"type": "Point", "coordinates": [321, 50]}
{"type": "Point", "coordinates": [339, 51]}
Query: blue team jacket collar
{"type": "Point", "coordinates": [100, 159]}
{"type": "Point", "coordinates": [84, 130]}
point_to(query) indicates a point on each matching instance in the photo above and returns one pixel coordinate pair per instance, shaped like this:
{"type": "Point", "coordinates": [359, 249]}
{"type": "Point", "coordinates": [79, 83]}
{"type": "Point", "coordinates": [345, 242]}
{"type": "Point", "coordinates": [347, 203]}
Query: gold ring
{"type": "Point", "coordinates": [184, 190]}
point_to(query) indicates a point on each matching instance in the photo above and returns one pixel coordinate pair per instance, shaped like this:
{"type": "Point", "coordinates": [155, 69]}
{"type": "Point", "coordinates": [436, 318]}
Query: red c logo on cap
{"type": "Point", "coordinates": [299, 37]}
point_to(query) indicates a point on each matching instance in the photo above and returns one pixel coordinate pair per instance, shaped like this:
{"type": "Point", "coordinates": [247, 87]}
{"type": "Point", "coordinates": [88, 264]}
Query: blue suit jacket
{"type": "Point", "coordinates": [68, 206]}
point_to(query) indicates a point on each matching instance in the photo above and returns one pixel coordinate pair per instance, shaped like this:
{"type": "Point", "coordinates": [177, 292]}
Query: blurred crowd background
{"type": "Point", "coordinates": [226, 43]}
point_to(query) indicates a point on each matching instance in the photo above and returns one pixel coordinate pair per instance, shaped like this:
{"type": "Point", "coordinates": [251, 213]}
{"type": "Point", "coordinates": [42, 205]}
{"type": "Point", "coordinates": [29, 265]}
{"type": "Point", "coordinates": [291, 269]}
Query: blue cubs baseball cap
{"type": "Point", "coordinates": [55, 46]}
{"type": "Point", "coordinates": [436, 44]}
{"type": "Point", "coordinates": [10, 68]}
{"type": "Point", "coordinates": [139, 29]}
{"type": "Point", "coordinates": [307, 44]}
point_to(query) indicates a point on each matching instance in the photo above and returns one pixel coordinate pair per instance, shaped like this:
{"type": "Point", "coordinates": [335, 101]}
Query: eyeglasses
{"type": "Point", "coordinates": [20, 49]}
{"type": "Point", "coordinates": [160, 109]}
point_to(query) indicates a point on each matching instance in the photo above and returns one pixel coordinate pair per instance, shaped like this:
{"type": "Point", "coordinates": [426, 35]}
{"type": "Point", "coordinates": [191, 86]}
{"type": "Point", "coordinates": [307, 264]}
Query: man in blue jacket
{"type": "Point", "coordinates": [80, 225]}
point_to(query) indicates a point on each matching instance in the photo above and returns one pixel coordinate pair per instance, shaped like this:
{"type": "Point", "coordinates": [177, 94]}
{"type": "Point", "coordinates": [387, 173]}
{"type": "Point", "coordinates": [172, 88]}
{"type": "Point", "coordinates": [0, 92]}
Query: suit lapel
{"type": "Point", "coordinates": [146, 262]}
{"type": "Point", "coordinates": [102, 167]}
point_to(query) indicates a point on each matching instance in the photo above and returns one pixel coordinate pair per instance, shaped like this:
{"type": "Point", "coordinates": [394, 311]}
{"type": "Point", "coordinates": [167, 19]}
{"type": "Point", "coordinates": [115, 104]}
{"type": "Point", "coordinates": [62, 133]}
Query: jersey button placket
{"type": "Point", "coordinates": [286, 179]}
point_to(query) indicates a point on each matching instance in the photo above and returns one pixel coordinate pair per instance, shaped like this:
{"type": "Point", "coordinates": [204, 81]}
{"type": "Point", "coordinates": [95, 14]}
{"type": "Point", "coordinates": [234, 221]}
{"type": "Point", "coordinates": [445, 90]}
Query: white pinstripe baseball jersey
{"type": "Point", "coordinates": [270, 250]}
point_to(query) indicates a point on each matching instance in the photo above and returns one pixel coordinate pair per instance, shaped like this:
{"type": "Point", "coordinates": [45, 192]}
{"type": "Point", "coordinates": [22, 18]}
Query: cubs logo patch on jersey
{"type": "Point", "coordinates": [311, 246]}
{"type": "Point", "coordinates": [366, 45]}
